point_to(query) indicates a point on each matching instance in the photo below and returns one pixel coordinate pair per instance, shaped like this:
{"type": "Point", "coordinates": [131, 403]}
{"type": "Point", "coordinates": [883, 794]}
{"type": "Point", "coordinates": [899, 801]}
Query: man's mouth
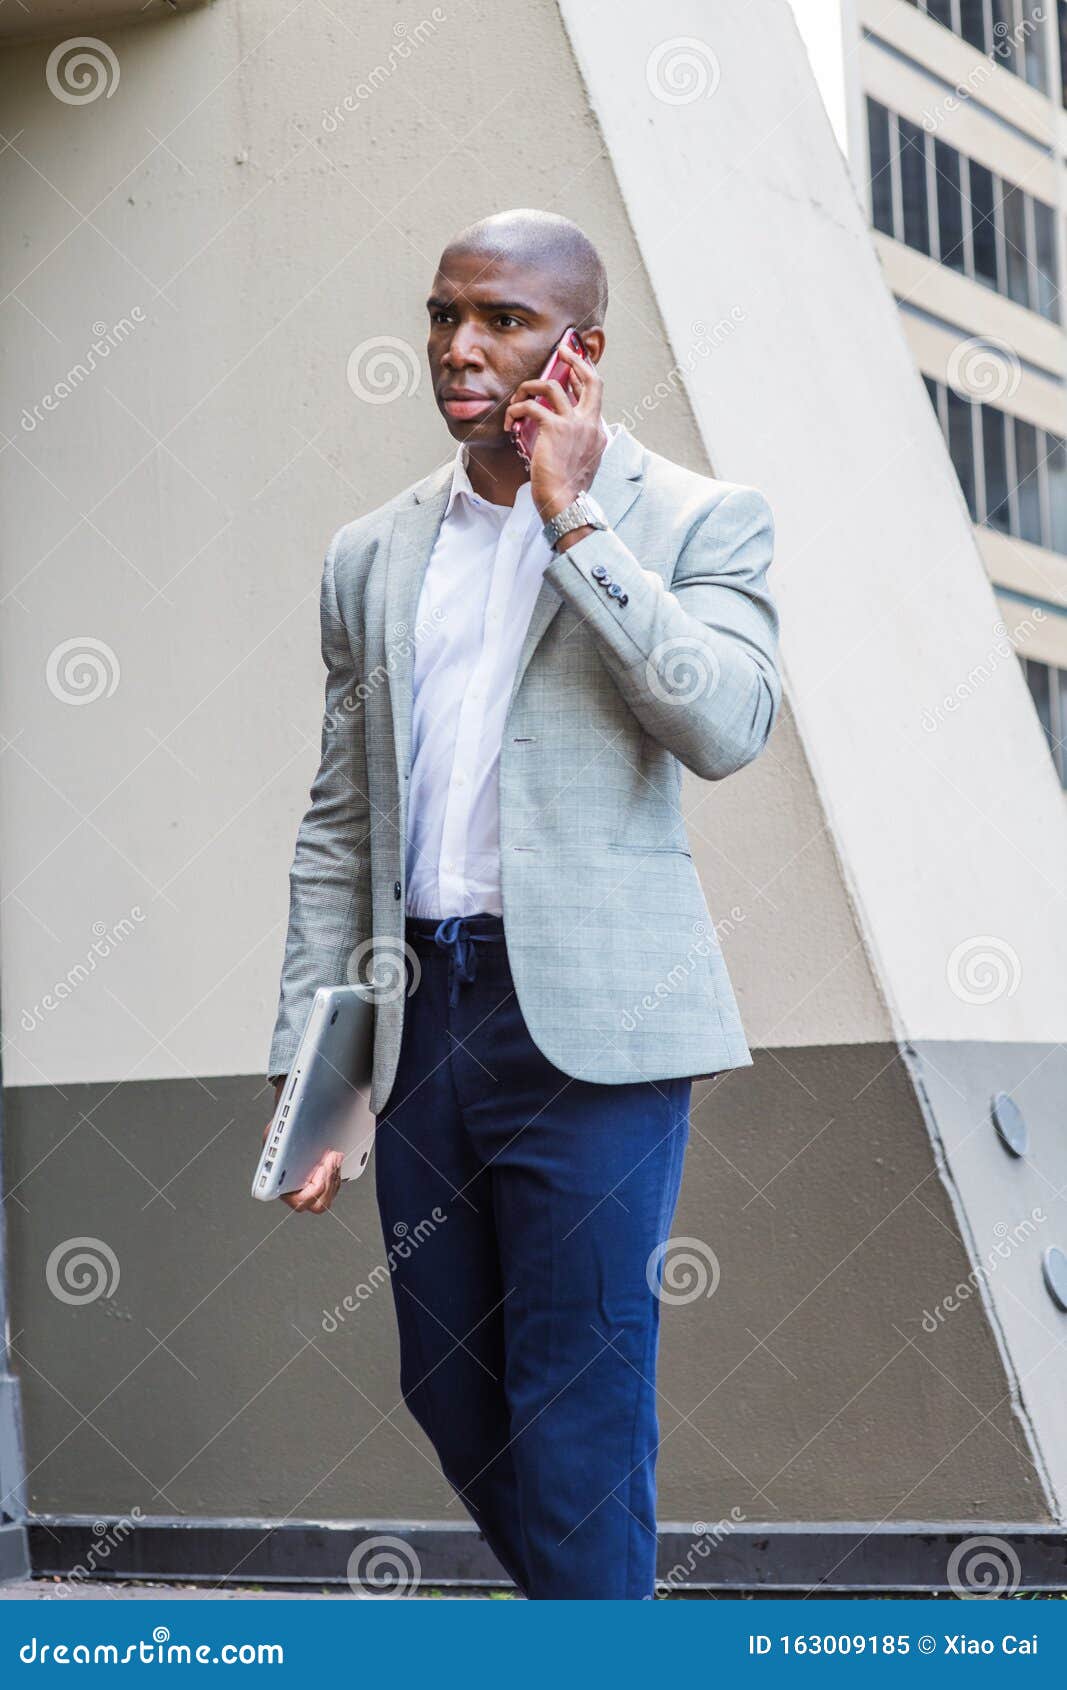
{"type": "Point", "coordinates": [465, 403]}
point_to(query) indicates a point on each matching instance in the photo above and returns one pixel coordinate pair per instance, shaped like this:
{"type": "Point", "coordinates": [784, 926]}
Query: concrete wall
{"type": "Point", "coordinates": [174, 508]}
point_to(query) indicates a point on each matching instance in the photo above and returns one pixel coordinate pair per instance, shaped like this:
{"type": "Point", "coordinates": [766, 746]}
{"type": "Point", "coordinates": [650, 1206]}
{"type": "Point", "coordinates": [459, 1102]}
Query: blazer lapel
{"type": "Point", "coordinates": [616, 485]}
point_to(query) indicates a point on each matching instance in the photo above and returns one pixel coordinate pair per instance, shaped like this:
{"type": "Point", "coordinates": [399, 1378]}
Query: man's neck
{"type": "Point", "coordinates": [496, 473]}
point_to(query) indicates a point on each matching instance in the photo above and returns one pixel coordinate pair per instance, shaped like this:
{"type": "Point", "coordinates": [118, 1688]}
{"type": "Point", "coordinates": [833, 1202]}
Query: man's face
{"type": "Point", "coordinates": [493, 323]}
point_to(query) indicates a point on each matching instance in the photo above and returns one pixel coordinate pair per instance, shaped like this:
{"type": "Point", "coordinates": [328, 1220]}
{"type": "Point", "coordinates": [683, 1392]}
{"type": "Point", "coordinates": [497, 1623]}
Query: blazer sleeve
{"type": "Point", "coordinates": [696, 662]}
{"type": "Point", "coordinates": [331, 865]}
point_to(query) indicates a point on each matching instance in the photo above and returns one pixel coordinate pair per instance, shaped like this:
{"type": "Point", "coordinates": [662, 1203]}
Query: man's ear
{"type": "Point", "coordinates": [594, 340]}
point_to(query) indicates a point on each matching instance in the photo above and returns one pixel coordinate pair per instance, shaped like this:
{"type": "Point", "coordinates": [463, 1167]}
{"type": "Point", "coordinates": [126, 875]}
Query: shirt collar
{"type": "Point", "coordinates": [461, 480]}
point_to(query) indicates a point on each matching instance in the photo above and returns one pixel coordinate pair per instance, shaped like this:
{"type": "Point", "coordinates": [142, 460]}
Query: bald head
{"type": "Point", "coordinates": [550, 244]}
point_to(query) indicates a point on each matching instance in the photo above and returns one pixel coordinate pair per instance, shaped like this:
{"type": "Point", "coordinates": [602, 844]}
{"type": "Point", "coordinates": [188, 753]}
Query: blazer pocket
{"type": "Point", "coordinates": [652, 850]}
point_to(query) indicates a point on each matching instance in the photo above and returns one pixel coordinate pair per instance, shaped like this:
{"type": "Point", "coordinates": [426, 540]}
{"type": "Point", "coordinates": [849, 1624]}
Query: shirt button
{"type": "Point", "coordinates": [396, 888]}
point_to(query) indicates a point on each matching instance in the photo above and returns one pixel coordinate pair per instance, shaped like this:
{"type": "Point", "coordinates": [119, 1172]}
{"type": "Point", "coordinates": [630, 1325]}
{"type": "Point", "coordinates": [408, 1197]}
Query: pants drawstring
{"type": "Point", "coordinates": [454, 936]}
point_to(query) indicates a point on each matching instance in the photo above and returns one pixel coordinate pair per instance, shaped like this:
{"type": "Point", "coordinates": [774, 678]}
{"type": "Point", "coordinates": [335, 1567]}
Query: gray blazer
{"type": "Point", "coordinates": [617, 967]}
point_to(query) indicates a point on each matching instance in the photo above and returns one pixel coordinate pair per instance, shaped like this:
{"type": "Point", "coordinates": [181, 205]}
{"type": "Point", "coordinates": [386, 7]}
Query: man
{"type": "Point", "coordinates": [518, 664]}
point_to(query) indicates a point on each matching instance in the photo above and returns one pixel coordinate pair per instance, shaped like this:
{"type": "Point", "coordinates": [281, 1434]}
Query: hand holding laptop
{"type": "Point", "coordinates": [324, 1181]}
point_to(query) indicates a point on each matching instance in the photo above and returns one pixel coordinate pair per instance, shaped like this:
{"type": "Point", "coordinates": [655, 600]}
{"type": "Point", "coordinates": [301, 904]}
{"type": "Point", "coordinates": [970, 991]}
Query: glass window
{"type": "Point", "coordinates": [1027, 487]}
{"type": "Point", "coordinates": [1046, 274]}
{"type": "Point", "coordinates": [931, 387]}
{"type": "Point", "coordinates": [881, 173]}
{"type": "Point", "coordinates": [1056, 470]}
{"type": "Point", "coordinates": [1039, 680]}
{"type": "Point", "coordinates": [972, 24]}
{"type": "Point", "coordinates": [1061, 9]}
{"type": "Point", "coordinates": [1013, 214]}
{"type": "Point", "coordinates": [913, 184]}
{"type": "Point", "coordinates": [961, 446]}
{"type": "Point", "coordinates": [1006, 42]}
{"type": "Point", "coordinates": [983, 228]}
{"type": "Point", "coordinates": [995, 462]}
{"type": "Point", "coordinates": [940, 11]}
{"type": "Point", "coordinates": [1033, 35]}
{"type": "Point", "coordinates": [949, 205]}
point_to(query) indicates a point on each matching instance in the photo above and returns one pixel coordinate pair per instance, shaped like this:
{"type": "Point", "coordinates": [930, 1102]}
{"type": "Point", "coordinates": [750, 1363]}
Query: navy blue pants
{"type": "Point", "coordinates": [528, 1318]}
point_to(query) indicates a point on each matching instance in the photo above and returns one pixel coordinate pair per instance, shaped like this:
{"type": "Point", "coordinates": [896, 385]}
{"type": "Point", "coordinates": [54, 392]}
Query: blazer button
{"type": "Point", "coordinates": [396, 888]}
{"type": "Point", "coordinates": [598, 572]}
{"type": "Point", "coordinates": [625, 599]}
{"type": "Point", "coordinates": [615, 591]}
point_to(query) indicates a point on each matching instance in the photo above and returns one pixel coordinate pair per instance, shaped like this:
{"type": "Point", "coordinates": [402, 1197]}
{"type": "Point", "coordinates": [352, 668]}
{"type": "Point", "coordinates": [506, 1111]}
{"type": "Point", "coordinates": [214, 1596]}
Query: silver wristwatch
{"type": "Point", "coordinates": [582, 512]}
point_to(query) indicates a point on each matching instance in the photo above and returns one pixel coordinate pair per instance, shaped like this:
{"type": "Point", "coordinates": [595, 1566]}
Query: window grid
{"type": "Point", "coordinates": [1042, 292]}
{"type": "Point", "coordinates": [1022, 50]}
{"type": "Point", "coordinates": [1048, 689]}
{"type": "Point", "coordinates": [967, 448]}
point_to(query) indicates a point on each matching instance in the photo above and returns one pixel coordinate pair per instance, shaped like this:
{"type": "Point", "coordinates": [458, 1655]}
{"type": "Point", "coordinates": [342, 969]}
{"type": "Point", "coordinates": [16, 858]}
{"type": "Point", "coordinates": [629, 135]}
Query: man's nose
{"type": "Point", "coordinates": [463, 351]}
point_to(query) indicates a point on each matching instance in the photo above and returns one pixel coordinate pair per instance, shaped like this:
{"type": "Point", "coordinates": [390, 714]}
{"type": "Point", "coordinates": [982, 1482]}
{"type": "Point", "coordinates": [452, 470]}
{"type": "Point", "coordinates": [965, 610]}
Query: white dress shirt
{"type": "Point", "coordinates": [477, 596]}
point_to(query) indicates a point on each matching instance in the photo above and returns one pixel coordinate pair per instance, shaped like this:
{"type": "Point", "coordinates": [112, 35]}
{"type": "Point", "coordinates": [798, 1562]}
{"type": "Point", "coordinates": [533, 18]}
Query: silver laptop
{"type": "Point", "coordinates": [325, 1103]}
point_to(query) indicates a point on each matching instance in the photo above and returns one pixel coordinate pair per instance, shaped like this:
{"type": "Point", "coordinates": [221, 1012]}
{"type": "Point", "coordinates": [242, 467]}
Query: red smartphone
{"type": "Point", "coordinates": [524, 432]}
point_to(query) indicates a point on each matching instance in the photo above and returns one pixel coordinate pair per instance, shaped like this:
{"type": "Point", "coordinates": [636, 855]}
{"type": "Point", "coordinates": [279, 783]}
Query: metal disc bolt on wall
{"type": "Point", "coordinates": [1054, 1270]}
{"type": "Point", "coordinates": [1010, 1124]}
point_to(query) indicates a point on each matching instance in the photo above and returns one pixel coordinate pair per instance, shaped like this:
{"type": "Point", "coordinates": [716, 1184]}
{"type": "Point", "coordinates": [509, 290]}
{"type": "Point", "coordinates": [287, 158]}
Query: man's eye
{"type": "Point", "coordinates": [440, 315]}
{"type": "Point", "coordinates": [506, 321]}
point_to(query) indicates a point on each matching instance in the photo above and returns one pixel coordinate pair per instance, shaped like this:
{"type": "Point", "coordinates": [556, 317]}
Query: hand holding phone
{"type": "Point", "coordinates": [524, 432]}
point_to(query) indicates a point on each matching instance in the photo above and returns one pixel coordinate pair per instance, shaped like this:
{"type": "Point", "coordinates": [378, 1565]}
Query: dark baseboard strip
{"type": "Point", "coordinates": [782, 1558]}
